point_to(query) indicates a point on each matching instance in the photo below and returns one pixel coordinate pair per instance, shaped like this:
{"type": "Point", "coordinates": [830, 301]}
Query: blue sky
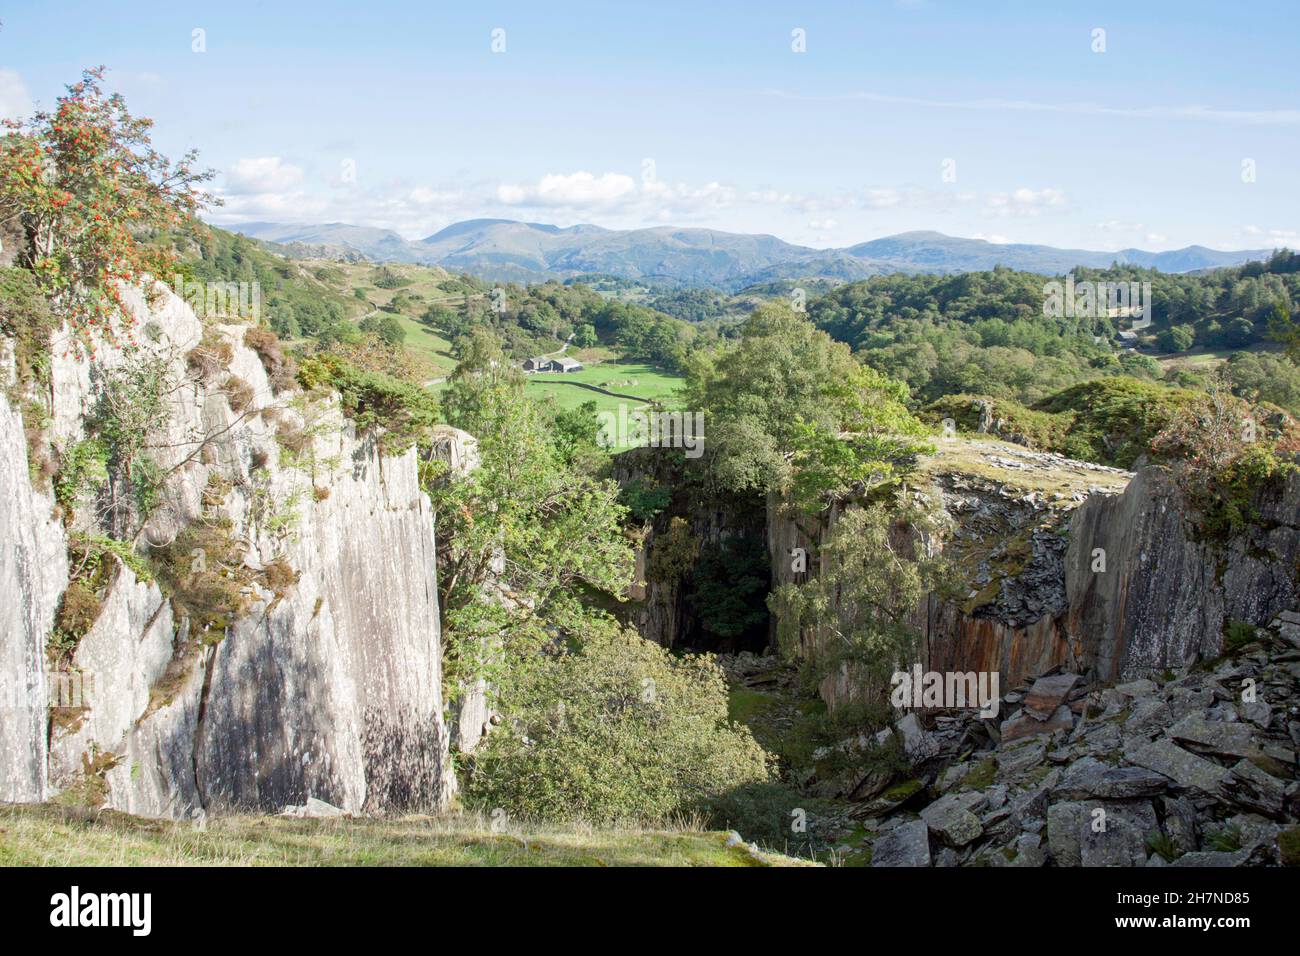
{"type": "Point", "coordinates": [399, 114]}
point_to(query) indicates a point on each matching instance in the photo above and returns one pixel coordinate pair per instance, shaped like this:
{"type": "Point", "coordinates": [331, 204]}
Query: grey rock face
{"type": "Point", "coordinates": [33, 574]}
{"type": "Point", "coordinates": [1164, 598]}
{"type": "Point", "coordinates": [329, 689]}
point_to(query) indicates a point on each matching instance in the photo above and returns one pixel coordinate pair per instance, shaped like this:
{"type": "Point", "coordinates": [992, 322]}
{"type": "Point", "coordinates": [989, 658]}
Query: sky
{"type": "Point", "coordinates": [1092, 125]}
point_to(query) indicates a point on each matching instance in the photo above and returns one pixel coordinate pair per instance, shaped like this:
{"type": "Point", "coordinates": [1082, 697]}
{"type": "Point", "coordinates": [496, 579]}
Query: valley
{"type": "Point", "coordinates": [341, 574]}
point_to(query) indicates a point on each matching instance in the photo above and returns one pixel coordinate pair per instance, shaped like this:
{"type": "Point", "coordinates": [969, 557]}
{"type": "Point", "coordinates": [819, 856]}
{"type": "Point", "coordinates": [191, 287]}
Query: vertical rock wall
{"type": "Point", "coordinates": [329, 687]}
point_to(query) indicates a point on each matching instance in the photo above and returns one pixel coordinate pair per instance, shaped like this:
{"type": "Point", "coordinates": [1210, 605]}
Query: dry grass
{"type": "Point", "coordinates": [57, 836]}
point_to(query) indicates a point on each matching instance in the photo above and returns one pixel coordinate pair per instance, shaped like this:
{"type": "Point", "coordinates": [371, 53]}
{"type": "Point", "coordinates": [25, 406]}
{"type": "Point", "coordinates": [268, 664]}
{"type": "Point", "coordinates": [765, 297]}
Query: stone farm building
{"type": "Point", "coordinates": [543, 364]}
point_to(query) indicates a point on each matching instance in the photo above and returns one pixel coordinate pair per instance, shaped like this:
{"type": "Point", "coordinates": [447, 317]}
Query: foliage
{"type": "Point", "coordinates": [645, 498]}
{"type": "Point", "coordinates": [878, 566]}
{"type": "Point", "coordinates": [129, 418]}
{"type": "Point", "coordinates": [94, 560]}
{"type": "Point", "coordinates": [1220, 460]}
{"type": "Point", "coordinates": [1264, 377]}
{"type": "Point", "coordinates": [25, 317]}
{"type": "Point", "coordinates": [985, 332]}
{"type": "Point", "coordinates": [615, 729]}
{"type": "Point", "coordinates": [295, 301]}
{"type": "Point", "coordinates": [529, 506]}
{"type": "Point", "coordinates": [730, 589]}
{"type": "Point", "coordinates": [386, 328]}
{"type": "Point", "coordinates": [91, 194]}
{"type": "Point", "coordinates": [399, 412]}
{"type": "Point", "coordinates": [203, 572]}
{"type": "Point", "coordinates": [1114, 420]}
{"type": "Point", "coordinates": [1040, 430]}
{"type": "Point", "coordinates": [83, 469]}
{"type": "Point", "coordinates": [791, 411]}
{"type": "Point", "coordinates": [280, 369]}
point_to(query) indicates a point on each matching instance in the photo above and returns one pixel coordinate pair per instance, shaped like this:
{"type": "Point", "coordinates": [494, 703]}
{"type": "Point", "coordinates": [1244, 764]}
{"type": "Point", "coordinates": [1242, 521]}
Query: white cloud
{"type": "Point", "coordinates": [265, 174]}
{"type": "Point", "coordinates": [1256, 231]}
{"type": "Point", "coordinates": [573, 189]}
{"type": "Point", "coordinates": [1022, 201]}
{"type": "Point", "coordinates": [15, 102]}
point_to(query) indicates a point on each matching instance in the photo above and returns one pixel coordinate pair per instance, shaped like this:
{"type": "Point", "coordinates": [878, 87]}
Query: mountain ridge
{"type": "Point", "coordinates": [511, 250]}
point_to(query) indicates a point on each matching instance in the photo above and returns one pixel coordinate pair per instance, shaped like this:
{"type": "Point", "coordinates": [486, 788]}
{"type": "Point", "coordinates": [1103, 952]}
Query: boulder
{"type": "Point", "coordinates": [1214, 737]}
{"type": "Point", "coordinates": [1185, 769]}
{"type": "Point", "coordinates": [1090, 777]}
{"type": "Point", "coordinates": [1250, 788]}
{"type": "Point", "coordinates": [1024, 725]}
{"type": "Point", "coordinates": [905, 845]}
{"type": "Point", "coordinates": [1119, 838]}
{"type": "Point", "coordinates": [1047, 694]}
{"type": "Point", "coordinates": [951, 819]}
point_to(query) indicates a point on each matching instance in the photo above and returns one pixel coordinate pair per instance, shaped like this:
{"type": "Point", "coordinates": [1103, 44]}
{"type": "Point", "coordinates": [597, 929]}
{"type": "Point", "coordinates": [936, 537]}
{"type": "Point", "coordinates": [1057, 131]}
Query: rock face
{"type": "Point", "coordinates": [328, 688]}
{"type": "Point", "coordinates": [1164, 597]}
{"type": "Point", "coordinates": [1102, 575]}
{"type": "Point", "coordinates": [33, 574]}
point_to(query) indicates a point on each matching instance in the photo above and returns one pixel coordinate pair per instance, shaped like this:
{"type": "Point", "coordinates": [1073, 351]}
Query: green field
{"type": "Point", "coordinates": [427, 343]}
{"type": "Point", "coordinates": [639, 381]}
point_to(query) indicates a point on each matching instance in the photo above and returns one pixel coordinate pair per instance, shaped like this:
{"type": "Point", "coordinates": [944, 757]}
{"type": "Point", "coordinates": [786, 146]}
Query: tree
{"type": "Point", "coordinates": [791, 411]}
{"type": "Point", "coordinates": [530, 520]}
{"type": "Point", "coordinates": [1176, 338]}
{"type": "Point", "coordinates": [585, 337]}
{"type": "Point", "coordinates": [616, 730]}
{"type": "Point", "coordinates": [94, 201]}
{"type": "Point", "coordinates": [1285, 331]}
{"type": "Point", "coordinates": [386, 327]}
{"type": "Point", "coordinates": [879, 564]}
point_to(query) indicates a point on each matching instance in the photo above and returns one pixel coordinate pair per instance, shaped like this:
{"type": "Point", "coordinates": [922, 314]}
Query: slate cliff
{"type": "Point", "coordinates": [328, 685]}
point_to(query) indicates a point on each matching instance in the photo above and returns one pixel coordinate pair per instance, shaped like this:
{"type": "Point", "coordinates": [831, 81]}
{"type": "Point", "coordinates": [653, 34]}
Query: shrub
{"type": "Point", "coordinates": [615, 730]}
{"type": "Point", "coordinates": [762, 813]}
{"type": "Point", "coordinates": [401, 412]}
{"type": "Point", "coordinates": [202, 570]}
{"type": "Point", "coordinates": [94, 562]}
{"type": "Point", "coordinates": [83, 468]}
{"type": "Point", "coordinates": [25, 317]}
{"type": "Point", "coordinates": [1237, 634]}
{"type": "Point", "coordinates": [78, 610]}
{"type": "Point", "coordinates": [210, 357]}
{"type": "Point", "coordinates": [1116, 419]}
{"type": "Point", "coordinates": [279, 367]}
{"type": "Point", "coordinates": [1039, 430]}
{"type": "Point", "coordinates": [239, 393]}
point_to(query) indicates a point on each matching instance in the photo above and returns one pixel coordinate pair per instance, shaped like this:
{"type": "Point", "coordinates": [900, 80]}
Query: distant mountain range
{"type": "Point", "coordinates": [506, 250]}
